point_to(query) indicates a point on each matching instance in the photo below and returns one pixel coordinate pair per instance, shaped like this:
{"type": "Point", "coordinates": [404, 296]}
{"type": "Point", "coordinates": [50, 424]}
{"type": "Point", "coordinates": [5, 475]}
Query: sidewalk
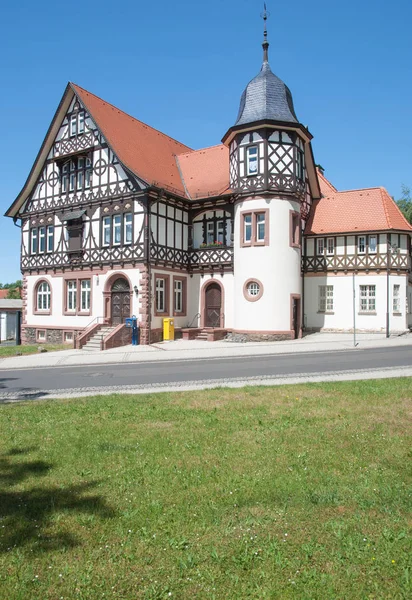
{"type": "Point", "coordinates": [197, 350]}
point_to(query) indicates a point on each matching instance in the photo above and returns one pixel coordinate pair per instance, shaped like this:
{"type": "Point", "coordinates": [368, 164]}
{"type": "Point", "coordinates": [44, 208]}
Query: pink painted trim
{"type": "Point", "coordinates": [265, 331]}
{"type": "Point", "coordinates": [292, 298]}
{"type": "Point", "coordinates": [107, 293]}
{"type": "Point", "coordinates": [165, 313]}
{"type": "Point", "coordinates": [184, 296]}
{"type": "Point", "coordinates": [55, 327]}
{"type": "Point", "coordinates": [254, 241]}
{"type": "Point", "coordinates": [77, 311]}
{"type": "Point", "coordinates": [246, 294]}
{"type": "Point", "coordinates": [35, 288]}
{"type": "Point", "coordinates": [38, 337]}
{"type": "Point", "coordinates": [203, 302]}
{"type": "Point", "coordinates": [294, 230]}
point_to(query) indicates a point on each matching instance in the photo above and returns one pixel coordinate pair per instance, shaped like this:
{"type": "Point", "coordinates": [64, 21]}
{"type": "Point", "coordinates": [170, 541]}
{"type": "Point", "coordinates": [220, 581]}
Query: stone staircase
{"type": "Point", "coordinates": [93, 344]}
{"type": "Point", "coordinates": [202, 335]}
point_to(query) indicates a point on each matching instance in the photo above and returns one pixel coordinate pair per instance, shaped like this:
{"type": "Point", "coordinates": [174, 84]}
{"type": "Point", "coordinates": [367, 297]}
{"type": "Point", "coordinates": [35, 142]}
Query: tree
{"type": "Point", "coordinates": [405, 203]}
{"type": "Point", "coordinates": [14, 293]}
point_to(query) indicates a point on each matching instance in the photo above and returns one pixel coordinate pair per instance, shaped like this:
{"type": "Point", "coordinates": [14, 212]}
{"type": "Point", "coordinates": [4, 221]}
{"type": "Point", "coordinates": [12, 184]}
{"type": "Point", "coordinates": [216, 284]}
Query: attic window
{"type": "Point", "coordinates": [77, 123]}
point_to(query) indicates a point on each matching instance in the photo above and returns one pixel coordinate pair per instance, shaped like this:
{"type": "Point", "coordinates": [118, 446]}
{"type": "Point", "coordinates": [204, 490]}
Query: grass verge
{"type": "Point", "coordinates": [32, 349]}
{"type": "Point", "coordinates": [286, 492]}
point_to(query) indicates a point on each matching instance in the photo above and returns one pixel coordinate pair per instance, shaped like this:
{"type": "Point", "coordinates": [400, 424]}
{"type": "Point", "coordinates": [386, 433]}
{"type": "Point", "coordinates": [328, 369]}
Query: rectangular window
{"type": "Point", "coordinates": [396, 298]}
{"type": "Point", "coordinates": [65, 177]}
{"type": "Point", "coordinates": [85, 295]}
{"type": "Point", "coordinates": [68, 337]}
{"type": "Point", "coordinates": [81, 122]}
{"type": "Point", "coordinates": [42, 239]}
{"type": "Point", "coordinates": [325, 298]}
{"type": "Point", "coordinates": [128, 228]}
{"type": "Point", "coordinates": [320, 246]}
{"type": "Point", "coordinates": [260, 227]}
{"type": "Point", "coordinates": [117, 229]}
{"type": "Point", "coordinates": [80, 173]}
{"type": "Point", "coordinates": [294, 229]}
{"type": "Point", "coordinates": [367, 297]}
{"type": "Point", "coordinates": [34, 241]}
{"type": "Point", "coordinates": [252, 160]}
{"type": "Point", "coordinates": [247, 228]}
{"type": "Point", "coordinates": [330, 246]}
{"type": "Point", "coordinates": [361, 244]}
{"type": "Point", "coordinates": [160, 295]}
{"type": "Point", "coordinates": [220, 232]}
{"type": "Point", "coordinates": [88, 174]}
{"type": "Point", "coordinates": [73, 125]}
{"type": "Point", "coordinates": [41, 335]}
{"type": "Point", "coordinates": [210, 232]}
{"type": "Point", "coordinates": [106, 230]}
{"type": "Point", "coordinates": [50, 238]}
{"type": "Point", "coordinates": [178, 292]}
{"type": "Point", "coordinates": [71, 296]}
{"type": "Point", "coordinates": [300, 165]}
{"type": "Point", "coordinates": [72, 179]}
{"type": "Point", "coordinates": [372, 244]}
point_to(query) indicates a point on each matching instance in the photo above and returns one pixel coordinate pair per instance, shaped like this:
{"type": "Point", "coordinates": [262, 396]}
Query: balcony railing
{"type": "Point", "coordinates": [356, 261]}
{"type": "Point", "coordinates": [214, 256]}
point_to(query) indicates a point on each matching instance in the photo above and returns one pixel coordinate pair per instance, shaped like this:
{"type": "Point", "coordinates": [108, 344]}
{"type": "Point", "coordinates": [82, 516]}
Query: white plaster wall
{"type": "Point", "coordinates": [277, 266]}
{"type": "Point", "coordinates": [57, 318]}
{"type": "Point", "coordinates": [342, 317]}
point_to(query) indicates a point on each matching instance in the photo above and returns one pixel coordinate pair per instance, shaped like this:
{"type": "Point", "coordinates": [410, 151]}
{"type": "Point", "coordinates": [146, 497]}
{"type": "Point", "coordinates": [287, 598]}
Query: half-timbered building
{"type": "Point", "coordinates": [248, 236]}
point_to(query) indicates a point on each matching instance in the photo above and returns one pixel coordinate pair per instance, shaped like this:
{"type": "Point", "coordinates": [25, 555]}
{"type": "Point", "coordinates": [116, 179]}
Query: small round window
{"type": "Point", "coordinates": [252, 290]}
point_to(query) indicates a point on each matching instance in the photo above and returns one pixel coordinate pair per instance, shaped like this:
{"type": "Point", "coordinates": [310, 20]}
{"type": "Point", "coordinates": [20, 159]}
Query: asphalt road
{"type": "Point", "coordinates": [36, 383]}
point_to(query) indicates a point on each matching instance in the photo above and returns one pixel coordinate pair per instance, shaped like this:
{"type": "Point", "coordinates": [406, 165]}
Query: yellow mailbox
{"type": "Point", "coordinates": [168, 329]}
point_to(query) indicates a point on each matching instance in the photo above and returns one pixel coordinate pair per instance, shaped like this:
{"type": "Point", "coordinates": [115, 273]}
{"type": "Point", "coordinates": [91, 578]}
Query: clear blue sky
{"type": "Point", "coordinates": [182, 66]}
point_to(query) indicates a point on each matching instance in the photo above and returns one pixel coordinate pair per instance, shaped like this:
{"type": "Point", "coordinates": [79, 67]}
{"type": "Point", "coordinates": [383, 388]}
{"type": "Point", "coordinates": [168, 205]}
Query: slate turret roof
{"type": "Point", "coordinates": [266, 98]}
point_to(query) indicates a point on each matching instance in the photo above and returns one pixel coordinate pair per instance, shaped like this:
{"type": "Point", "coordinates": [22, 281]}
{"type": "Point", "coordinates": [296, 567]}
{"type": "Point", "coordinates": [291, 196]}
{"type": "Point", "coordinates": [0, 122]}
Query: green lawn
{"type": "Point", "coordinates": [288, 492]}
{"type": "Point", "coordinates": [32, 349]}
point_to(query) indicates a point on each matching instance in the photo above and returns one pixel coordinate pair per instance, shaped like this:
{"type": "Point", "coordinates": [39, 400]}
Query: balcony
{"type": "Point", "coordinates": [211, 257]}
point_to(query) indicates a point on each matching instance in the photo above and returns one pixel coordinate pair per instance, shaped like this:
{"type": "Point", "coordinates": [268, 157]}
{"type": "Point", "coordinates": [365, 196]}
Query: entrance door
{"type": "Point", "coordinates": [295, 317]}
{"type": "Point", "coordinates": [213, 305]}
{"type": "Point", "coordinates": [120, 301]}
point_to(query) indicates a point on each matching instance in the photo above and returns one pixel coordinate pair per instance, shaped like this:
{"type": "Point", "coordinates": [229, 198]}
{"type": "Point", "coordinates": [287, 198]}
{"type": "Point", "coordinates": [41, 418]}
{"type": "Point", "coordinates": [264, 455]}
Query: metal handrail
{"type": "Point", "coordinates": [197, 316]}
{"type": "Point", "coordinates": [89, 325]}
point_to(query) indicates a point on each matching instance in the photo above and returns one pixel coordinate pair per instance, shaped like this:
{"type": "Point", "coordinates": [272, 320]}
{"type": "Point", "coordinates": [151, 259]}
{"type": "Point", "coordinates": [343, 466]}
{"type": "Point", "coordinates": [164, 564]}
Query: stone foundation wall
{"type": "Point", "coordinates": [258, 337]}
{"type": "Point", "coordinates": [53, 336]}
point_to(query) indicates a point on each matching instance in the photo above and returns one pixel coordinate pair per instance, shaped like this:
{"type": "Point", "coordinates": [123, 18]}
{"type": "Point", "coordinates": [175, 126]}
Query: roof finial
{"type": "Point", "coordinates": [265, 15]}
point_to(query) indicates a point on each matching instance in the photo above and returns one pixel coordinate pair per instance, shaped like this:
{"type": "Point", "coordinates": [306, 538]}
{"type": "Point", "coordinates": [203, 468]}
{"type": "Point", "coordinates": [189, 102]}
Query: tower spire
{"type": "Point", "coordinates": [265, 15]}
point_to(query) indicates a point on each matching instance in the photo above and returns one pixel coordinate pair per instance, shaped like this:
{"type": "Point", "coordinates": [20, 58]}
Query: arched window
{"type": "Point", "coordinates": [43, 295]}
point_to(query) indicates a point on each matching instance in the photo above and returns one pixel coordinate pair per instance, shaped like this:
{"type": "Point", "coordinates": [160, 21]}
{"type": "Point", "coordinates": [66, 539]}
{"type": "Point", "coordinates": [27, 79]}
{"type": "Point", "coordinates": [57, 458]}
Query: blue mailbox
{"type": "Point", "coordinates": [129, 322]}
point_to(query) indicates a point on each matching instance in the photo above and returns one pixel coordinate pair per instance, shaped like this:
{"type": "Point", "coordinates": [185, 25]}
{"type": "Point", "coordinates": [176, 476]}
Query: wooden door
{"type": "Point", "coordinates": [213, 305]}
{"type": "Point", "coordinates": [120, 301]}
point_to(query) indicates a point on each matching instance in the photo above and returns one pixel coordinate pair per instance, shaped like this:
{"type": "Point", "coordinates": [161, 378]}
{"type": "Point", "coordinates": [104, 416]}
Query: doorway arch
{"type": "Point", "coordinates": [212, 314]}
{"type": "Point", "coordinates": [120, 300]}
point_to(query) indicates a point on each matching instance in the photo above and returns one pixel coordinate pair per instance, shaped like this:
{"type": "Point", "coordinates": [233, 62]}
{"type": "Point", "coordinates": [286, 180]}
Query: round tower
{"type": "Point", "coordinates": [268, 175]}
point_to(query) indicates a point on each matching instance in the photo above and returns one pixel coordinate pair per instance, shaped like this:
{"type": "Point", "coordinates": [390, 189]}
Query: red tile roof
{"type": "Point", "coordinates": [3, 294]}
{"type": "Point", "coordinates": [205, 172]}
{"type": "Point", "coordinates": [325, 185]}
{"type": "Point", "coordinates": [370, 209]}
{"type": "Point", "coordinates": [147, 152]}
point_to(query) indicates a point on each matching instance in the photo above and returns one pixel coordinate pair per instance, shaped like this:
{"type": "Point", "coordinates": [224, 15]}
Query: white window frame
{"type": "Point", "coordinates": [247, 225]}
{"type": "Point", "coordinates": [106, 230]}
{"type": "Point", "coordinates": [360, 245]}
{"type": "Point", "coordinates": [127, 228]}
{"type": "Point", "coordinates": [73, 125]}
{"type": "Point", "coordinates": [178, 296]}
{"type": "Point", "coordinates": [220, 231]}
{"type": "Point", "coordinates": [50, 238]}
{"type": "Point", "coordinates": [210, 232]}
{"type": "Point", "coordinates": [80, 173]}
{"type": "Point", "coordinates": [261, 222]}
{"type": "Point", "coordinates": [396, 298]}
{"type": "Point", "coordinates": [367, 298]}
{"type": "Point", "coordinates": [81, 119]}
{"type": "Point", "coordinates": [373, 251]}
{"type": "Point", "coordinates": [117, 230]}
{"type": "Point", "coordinates": [85, 295]}
{"type": "Point", "coordinates": [253, 289]}
{"type": "Point", "coordinates": [65, 177]}
{"type": "Point", "coordinates": [88, 174]}
{"type": "Point", "coordinates": [72, 176]}
{"type": "Point", "coordinates": [320, 246]}
{"type": "Point", "coordinates": [34, 241]}
{"type": "Point", "coordinates": [160, 295]}
{"type": "Point", "coordinates": [71, 296]}
{"type": "Point", "coordinates": [330, 246]}
{"type": "Point", "coordinates": [252, 157]}
{"type": "Point", "coordinates": [43, 296]}
{"type": "Point", "coordinates": [42, 239]}
{"type": "Point", "coordinates": [325, 298]}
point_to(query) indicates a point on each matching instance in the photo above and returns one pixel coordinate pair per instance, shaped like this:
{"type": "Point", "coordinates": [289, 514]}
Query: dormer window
{"type": "Point", "coordinates": [252, 160]}
{"type": "Point", "coordinates": [76, 174]}
{"type": "Point", "coordinates": [77, 123]}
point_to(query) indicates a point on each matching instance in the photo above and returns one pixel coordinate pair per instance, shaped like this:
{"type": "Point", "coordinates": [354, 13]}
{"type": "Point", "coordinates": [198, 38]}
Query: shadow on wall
{"type": "Point", "coordinates": [313, 317]}
{"type": "Point", "coordinates": [27, 515]}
